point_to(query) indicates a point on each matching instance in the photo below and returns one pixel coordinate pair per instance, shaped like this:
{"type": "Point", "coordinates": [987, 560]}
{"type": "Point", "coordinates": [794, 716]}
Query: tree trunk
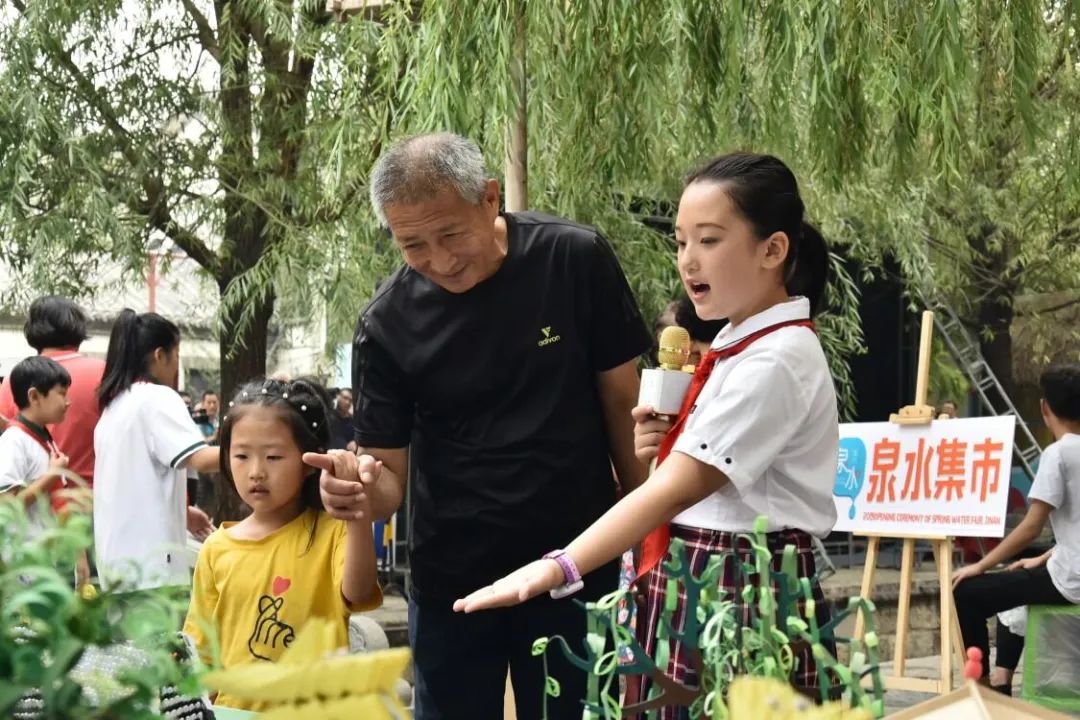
{"type": "Point", "coordinates": [996, 288]}
{"type": "Point", "coordinates": [243, 347]}
{"type": "Point", "coordinates": [995, 314]}
{"type": "Point", "coordinates": [248, 233]}
{"type": "Point", "coordinates": [517, 131]}
{"type": "Point", "coordinates": [243, 358]}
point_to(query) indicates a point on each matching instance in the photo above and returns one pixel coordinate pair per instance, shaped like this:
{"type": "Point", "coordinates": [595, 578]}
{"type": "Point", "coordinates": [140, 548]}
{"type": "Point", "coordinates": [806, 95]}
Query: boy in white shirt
{"type": "Point", "coordinates": [29, 459]}
{"type": "Point", "coordinates": [1054, 577]}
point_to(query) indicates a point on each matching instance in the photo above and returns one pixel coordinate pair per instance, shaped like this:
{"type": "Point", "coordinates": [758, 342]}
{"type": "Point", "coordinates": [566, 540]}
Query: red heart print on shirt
{"type": "Point", "coordinates": [281, 585]}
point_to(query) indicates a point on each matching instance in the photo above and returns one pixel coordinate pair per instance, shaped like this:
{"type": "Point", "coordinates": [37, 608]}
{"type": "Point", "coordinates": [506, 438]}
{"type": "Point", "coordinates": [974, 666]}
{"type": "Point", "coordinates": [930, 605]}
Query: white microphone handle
{"type": "Point", "coordinates": [664, 390]}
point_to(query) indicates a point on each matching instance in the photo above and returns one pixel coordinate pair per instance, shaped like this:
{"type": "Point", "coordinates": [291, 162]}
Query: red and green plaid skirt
{"type": "Point", "coordinates": [702, 544]}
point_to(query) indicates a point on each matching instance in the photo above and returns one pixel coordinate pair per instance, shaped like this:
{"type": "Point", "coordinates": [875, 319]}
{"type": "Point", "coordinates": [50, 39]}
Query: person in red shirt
{"type": "Point", "coordinates": [56, 327]}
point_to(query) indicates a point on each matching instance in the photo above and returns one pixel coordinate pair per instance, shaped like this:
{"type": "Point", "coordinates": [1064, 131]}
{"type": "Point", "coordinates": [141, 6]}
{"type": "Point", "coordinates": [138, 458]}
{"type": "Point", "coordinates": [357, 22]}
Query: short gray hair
{"type": "Point", "coordinates": [419, 167]}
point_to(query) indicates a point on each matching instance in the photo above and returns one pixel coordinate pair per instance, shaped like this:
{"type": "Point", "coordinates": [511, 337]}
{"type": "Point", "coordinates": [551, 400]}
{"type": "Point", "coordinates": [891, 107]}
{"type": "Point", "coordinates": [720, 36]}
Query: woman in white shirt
{"type": "Point", "coordinates": [143, 445]}
{"type": "Point", "coordinates": [761, 435]}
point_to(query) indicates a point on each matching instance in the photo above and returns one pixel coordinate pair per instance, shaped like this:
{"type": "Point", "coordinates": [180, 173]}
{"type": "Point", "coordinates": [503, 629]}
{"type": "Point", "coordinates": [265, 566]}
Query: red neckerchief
{"type": "Point", "coordinates": [656, 542]}
{"type": "Point", "coordinates": [38, 432]}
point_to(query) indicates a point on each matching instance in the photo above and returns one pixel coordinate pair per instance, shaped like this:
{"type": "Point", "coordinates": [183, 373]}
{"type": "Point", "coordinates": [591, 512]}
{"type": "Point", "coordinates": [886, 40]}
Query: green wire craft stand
{"type": "Point", "coordinates": [1051, 656]}
{"type": "Point", "coordinates": [719, 645]}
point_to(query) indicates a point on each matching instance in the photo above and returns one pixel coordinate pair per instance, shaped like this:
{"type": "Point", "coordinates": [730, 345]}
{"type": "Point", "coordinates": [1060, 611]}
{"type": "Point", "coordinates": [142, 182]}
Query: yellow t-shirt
{"type": "Point", "coordinates": [257, 594]}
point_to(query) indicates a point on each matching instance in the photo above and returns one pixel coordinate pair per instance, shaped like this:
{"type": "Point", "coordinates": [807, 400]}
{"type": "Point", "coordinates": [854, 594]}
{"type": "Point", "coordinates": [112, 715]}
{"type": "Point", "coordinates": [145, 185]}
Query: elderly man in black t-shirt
{"type": "Point", "coordinates": [502, 358]}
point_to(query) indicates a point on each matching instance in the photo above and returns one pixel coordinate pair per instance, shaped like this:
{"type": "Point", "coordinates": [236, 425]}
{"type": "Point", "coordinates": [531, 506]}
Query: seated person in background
{"type": "Point", "coordinates": [1052, 578]}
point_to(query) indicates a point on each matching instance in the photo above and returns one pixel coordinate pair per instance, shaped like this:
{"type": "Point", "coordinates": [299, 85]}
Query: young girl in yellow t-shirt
{"type": "Point", "coordinates": [259, 580]}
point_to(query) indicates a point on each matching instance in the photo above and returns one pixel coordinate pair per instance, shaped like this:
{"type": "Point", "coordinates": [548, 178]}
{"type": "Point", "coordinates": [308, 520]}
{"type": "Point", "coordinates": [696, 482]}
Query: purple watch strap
{"type": "Point", "coordinates": [570, 571]}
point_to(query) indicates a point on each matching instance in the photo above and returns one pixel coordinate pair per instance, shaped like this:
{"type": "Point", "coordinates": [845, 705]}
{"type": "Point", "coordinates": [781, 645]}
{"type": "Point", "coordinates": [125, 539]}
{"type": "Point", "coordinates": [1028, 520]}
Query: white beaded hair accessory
{"type": "Point", "coordinates": [265, 390]}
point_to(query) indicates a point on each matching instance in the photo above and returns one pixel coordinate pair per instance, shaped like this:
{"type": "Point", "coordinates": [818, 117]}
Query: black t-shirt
{"type": "Point", "coordinates": [495, 390]}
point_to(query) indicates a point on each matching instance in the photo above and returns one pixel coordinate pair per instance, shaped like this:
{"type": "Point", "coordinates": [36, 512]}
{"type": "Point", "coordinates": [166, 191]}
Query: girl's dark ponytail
{"type": "Point", "coordinates": [808, 267]}
{"type": "Point", "coordinates": [118, 358]}
{"type": "Point", "coordinates": [131, 341]}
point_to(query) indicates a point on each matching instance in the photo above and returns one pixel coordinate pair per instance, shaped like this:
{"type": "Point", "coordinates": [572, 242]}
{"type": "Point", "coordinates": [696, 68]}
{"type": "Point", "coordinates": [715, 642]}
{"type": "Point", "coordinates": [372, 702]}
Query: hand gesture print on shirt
{"type": "Point", "coordinates": [270, 635]}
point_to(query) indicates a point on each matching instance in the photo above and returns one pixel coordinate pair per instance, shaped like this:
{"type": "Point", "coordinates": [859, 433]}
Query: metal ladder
{"type": "Point", "coordinates": [965, 350]}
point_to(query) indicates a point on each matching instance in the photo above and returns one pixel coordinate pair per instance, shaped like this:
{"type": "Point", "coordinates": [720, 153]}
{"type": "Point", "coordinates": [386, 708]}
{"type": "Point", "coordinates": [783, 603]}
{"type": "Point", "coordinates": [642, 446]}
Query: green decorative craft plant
{"type": "Point", "coordinates": [719, 644]}
{"type": "Point", "coordinates": [47, 628]}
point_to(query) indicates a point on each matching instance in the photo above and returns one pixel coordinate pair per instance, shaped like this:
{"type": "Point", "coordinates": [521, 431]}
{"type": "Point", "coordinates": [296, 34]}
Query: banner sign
{"type": "Point", "coordinates": [950, 477]}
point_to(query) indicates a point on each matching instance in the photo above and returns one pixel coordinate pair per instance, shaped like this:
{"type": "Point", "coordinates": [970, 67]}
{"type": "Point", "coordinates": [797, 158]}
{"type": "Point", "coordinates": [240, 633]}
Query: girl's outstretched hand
{"type": "Point", "coordinates": [514, 589]}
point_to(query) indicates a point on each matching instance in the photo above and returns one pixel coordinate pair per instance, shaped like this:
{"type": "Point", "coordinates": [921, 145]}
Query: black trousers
{"type": "Point", "coordinates": [984, 596]}
{"type": "Point", "coordinates": [1010, 647]}
{"type": "Point", "coordinates": [460, 660]}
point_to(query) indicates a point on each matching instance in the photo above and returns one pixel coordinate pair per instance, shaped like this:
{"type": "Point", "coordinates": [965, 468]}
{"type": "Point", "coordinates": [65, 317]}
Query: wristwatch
{"type": "Point", "coordinates": [573, 581]}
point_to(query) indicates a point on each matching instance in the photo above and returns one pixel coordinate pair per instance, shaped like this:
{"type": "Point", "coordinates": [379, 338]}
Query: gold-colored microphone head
{"type": "Point", "coordinates": [674, 348]}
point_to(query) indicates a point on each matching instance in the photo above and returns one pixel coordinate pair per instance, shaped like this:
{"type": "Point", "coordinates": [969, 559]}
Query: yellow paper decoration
{"type": "Point", "coordinates": [312, 682]}
{"type": "Point", "coordinates": [759, 698]}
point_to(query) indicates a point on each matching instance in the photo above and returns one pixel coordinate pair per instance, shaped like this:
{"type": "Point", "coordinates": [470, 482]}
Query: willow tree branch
{"type": "Point", "coordinates": [157, 212]}
{"type": "Point", "coordinates": [1051, 309]}
{"type": "Point", "coordinates": [145, 52]}
{"type": "Point", "coordinates": [206, 33]}
{"type": "Point", "coordinates": [155, 205]}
